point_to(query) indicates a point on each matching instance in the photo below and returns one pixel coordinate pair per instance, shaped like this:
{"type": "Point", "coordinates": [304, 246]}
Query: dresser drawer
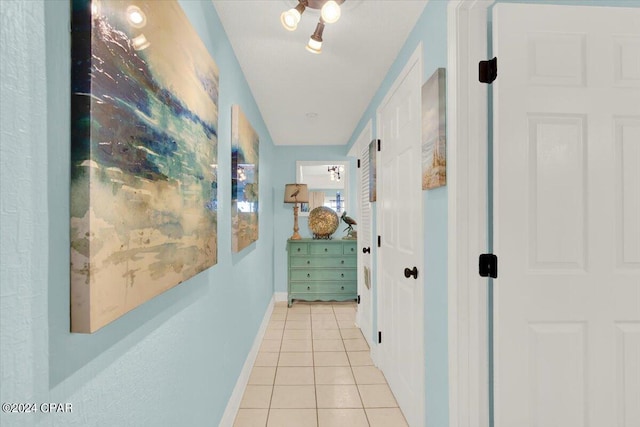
{"type": "Point", "coordinates": [322, 262]}
{"type": "Point", "coordinates": [323, 274]}
{"type": "Point", "coordinates": [326, 249]}
{"type": "Point", "coordinates": [350, 248]}
{"type": "Point", "coordinates": [298, 249]}
{"type": "Point", "coordinates": [323, 288]}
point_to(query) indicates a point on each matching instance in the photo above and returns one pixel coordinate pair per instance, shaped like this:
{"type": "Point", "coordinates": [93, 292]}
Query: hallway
{"type": "Point", "coordinates": [314, 369]}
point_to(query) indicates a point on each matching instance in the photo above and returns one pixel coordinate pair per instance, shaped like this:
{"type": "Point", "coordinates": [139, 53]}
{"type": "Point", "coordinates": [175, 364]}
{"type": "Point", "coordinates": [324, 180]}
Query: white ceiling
{"type": "Point", "coordinates": [290, 84]}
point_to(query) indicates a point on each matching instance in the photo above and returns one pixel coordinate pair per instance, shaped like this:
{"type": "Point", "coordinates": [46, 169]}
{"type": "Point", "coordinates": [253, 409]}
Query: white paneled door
{"type": "Point", "coordinates": [567, 216]}
{"type": "Point", "coordinates": [364, 315]}
{"type": "Point", "coordinates": [399, 200]}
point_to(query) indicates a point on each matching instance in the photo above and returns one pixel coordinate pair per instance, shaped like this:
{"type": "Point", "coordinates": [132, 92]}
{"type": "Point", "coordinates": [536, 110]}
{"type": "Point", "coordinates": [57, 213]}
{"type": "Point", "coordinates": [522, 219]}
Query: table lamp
{"type": "Point", "coordinates": [296, 193]}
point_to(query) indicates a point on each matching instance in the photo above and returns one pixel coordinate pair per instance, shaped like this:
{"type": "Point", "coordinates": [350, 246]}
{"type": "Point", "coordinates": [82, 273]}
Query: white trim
{"type": "Point", "coordinates": [358, 146]}
{"type": "Point", "coordinates": [467, 118]}
{"type": "Point", "coordinates": [280, 296]}
{"type": "Point", "coordinates": [233, 404]}
{"type": "Point", "coordinates": [415, 60]}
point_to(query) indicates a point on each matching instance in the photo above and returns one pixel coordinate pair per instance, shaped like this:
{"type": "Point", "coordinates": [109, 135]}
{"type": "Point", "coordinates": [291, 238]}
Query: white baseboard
{"type": "Point", "coordinates": [373, 352]}
{"type": "Point", "coordinates": [280, 296]}
{"type": "Point", "coordinates": [233, 405]}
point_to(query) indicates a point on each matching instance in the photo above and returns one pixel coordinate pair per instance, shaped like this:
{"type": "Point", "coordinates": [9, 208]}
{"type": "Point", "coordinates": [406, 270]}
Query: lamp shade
{"type": "Point", "coordinates": [296, 193]}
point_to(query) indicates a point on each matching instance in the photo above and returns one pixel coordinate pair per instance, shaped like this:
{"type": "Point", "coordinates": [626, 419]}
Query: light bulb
{"type": "Point", "coordinates": [136, 16]}
{"type": "Point", "coordinates": [330, 12]}
{"type": "Point", "coordinates": [314, 46]}
{"type": "Point", "coordinates": [290, 19]}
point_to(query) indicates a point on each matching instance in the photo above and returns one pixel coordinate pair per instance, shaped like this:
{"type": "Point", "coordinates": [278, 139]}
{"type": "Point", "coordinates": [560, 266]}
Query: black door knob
{"type": "Point", "coordinates": [366, 250]}
{"type": "Point", "coordinates": [408, 272]}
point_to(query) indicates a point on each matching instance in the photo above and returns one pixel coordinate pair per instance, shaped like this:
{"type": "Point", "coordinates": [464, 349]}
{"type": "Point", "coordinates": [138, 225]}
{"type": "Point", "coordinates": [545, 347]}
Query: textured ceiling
{"type": "Point", "coordinates": [308, 99]}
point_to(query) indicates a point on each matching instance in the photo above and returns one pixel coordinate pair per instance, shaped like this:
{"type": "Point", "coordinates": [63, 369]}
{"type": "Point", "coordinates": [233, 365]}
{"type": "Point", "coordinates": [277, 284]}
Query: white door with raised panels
{"type": "Point", "coordinates": [399, 208]}
{"type": "Point", "coordinates": [567, 216]}
{"type": "Point", "coordinates": [365, 239]}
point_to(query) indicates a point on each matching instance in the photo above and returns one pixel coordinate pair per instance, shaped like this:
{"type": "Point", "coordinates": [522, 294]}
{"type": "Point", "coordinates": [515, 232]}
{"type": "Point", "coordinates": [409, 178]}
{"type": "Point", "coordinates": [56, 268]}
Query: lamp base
{"type": "Point", "coordinates": [296, 235]}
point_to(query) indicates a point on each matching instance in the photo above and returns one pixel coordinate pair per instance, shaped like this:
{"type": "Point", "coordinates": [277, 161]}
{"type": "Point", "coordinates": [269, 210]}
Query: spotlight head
{"type": "Point", "coordinates": [291, 17]}
{"type": "Point", "coordinates": [330, 12]}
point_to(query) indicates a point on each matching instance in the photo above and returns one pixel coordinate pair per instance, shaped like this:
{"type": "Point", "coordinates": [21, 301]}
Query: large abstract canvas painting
{"type": "Point", "coordinates": [244, 181]}
{"type": "Point", "coordinates": [143, 156]}
{"type": "Point", "coordinates": [434, 148]}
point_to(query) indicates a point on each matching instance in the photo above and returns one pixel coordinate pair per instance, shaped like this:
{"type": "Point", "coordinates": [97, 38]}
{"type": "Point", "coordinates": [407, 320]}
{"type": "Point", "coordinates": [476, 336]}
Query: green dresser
{"type": "Point", "coordinates": [322, 270]}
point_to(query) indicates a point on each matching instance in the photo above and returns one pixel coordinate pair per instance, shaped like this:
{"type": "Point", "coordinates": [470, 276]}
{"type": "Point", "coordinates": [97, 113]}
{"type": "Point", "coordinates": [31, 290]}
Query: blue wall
{"type": "Point", "coordinates": [431, 31]}
{"type": "Point", "coordinates": [174, 360]}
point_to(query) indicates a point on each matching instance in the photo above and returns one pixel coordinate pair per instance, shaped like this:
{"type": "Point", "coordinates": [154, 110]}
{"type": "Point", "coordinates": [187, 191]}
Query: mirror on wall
{"type": "Point", "coordinates": [327, 182]}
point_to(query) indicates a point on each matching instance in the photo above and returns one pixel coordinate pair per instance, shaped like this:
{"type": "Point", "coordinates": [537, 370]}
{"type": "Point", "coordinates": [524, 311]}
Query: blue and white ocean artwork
{"type": "Point", "coordinates": [434, 126]}
{"type": "Point", "coordinates": [143, 156]}
{"type": "Point", "coordinates": [245, 149]}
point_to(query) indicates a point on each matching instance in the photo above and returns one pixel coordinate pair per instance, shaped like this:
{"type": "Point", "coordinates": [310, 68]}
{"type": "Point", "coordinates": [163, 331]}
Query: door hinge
{"type": "Point", "coordinates": [358, 299]}
{"type": "Point", "coordinates": [379, 241]}
{"type": "Point", "coordinates": [358, 163]}
{"type": "Point", "coordinates": [488, 70]}
{"type": "Point", "coordinates": [379, 337]}
{"type": "Point", "coordinates": [488, 265]}
{"type": "Point", "coordinates": [379, 145]}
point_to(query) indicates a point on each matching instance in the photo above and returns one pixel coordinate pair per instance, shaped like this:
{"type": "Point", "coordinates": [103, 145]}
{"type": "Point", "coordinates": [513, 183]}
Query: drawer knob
{"type": "Point", "coordinates": [342, 288]}
{"type": "Point", "coordinates": [298, 249]}
{"type": "Point", "coordinates": [352, 249]}
{"type": "Point", "coordinates": [326, 249]}
{"type": "Point", "coordinates": [308, 275]}
{"type": "Point", "coordinates": [342, 275]}
{"type": "Point", "coordinates": [308, 262]}
{"type": "Point", "coordinates": [308, 288]}
{"type": "Point", "coordinates": [342, 262]}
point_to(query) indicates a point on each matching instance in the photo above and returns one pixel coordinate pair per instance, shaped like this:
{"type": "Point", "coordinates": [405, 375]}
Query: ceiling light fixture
{"type": "Point", "coordinates": [334, 172]}
{"type": "Point", "coordinates": [291, 17]}
{"type": "Point", "coordinates": [315, 41]}
{"type": "Point", "coordinates": [329, 13]}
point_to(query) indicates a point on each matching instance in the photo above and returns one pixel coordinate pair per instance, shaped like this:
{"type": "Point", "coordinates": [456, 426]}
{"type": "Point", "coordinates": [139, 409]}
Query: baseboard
{"type": "Point", "coordinates": [280, 296]}
{"type": "Point", "coordinates": [373, 352]}
{"type": "Point", "coordinates": [233, 405]}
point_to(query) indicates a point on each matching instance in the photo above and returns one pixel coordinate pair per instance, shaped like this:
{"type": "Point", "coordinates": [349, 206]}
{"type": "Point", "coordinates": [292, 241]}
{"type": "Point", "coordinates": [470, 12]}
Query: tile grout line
{"type": "Point", "coordinates": [313, 364]}
{"type": "Point", "coordinates": [275, 374]}
{"type": "Point", "coordinates": [354, 375]}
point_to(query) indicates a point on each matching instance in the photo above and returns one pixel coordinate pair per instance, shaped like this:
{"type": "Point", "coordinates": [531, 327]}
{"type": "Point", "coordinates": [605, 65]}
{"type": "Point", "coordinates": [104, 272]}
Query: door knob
{"type": "Point", "coordinates": [366, 250]}
{"type": "Point", "coordinates": [408, 272]}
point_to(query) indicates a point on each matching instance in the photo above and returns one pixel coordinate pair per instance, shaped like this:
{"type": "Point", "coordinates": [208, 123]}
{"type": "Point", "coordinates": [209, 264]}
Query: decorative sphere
{"type": "Point", "coordinates": [323, 222]}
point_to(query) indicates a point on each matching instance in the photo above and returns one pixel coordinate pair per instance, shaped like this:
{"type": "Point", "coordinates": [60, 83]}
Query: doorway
{"type": "Point", "coordinates": [400, 305]}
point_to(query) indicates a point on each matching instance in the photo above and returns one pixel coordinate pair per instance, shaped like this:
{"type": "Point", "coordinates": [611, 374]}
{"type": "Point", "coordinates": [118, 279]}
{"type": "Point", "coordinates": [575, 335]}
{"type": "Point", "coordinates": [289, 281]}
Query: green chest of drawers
{"type": "Point", "coordinates": [322, 270]}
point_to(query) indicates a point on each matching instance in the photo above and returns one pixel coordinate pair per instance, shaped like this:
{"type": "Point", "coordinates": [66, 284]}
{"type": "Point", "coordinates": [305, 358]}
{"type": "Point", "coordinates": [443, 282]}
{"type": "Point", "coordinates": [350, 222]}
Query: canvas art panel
{"type": "Point", "coordinates": [143, 156]}
{"type": "Point", "coordinates": [244, 181]}
{"type": "Point", "coordinates": [434, 148]}
{"type": "Point", "coordinates": [373, 145]}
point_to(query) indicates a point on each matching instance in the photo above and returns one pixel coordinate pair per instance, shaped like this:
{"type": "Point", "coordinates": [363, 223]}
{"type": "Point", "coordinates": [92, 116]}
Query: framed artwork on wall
{"type": "Point", "coordinates": [434, 140]}
{"type": "Point", "coordinates": [144, 129]}
{"type": "Point", "coordinates": [245, 145]}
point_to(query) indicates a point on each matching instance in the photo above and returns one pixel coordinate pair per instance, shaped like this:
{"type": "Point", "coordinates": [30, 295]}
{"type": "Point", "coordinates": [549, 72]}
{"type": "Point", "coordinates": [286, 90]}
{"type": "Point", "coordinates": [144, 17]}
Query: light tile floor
{"type": "Point", "coordinates": [314, 370]}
